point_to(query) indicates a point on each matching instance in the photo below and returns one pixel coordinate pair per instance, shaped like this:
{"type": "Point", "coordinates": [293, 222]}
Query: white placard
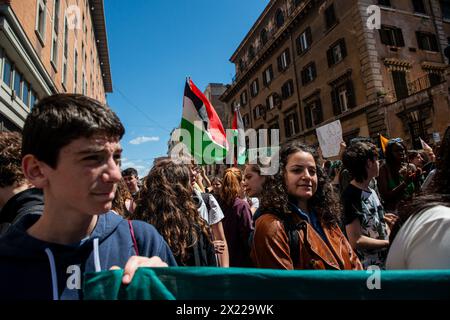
{"type": "Point", "coordinates": [330, 138]}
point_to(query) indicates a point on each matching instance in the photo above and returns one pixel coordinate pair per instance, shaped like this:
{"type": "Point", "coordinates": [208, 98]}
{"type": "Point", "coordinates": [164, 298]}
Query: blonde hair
{"type": "Point", "coordinates": [231, 185]}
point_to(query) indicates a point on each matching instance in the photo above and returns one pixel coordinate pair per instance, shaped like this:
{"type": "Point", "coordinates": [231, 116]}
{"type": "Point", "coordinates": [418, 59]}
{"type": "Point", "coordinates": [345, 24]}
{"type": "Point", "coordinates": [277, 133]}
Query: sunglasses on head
{"type": "Point", "coordinates": [395, 140]}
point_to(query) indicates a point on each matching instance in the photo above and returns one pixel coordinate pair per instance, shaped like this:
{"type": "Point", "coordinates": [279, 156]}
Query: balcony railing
{"type": "Point", "coordinates": [413, 87]}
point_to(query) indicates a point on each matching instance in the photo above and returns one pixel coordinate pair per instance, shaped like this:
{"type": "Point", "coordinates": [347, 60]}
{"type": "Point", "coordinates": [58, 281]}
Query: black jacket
{"type": "Point", "coordinates": [30, 201]}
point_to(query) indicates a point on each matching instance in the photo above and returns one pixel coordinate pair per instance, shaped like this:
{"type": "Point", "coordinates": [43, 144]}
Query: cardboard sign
{"type": "Point", "coordinates": [330, 137]}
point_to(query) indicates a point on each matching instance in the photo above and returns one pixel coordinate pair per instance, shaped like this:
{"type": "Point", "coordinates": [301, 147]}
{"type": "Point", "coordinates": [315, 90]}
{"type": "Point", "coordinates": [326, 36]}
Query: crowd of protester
{"type": "Point", "coordinates": [65, 201]}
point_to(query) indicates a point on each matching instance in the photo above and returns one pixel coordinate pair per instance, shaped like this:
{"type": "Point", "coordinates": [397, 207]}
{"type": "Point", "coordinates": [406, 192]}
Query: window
{"type": "Point", "coordinates": [254, 88]}
{"type": "Point", "coordinates": [241, 65]}
{"type": "Point", "coordinates": [65, 53]}
{"type": "Point", "coordinates": [17, 83]}
{"type": "Point", "coordinates": [33, 98]}
{"type": "Point", "coordinates": [55, 33]}
{"type": "Point", "coordinates": [391, 36]}
{"type": "Point", "coordinates": [330, 17]}
{"type": "Point", "coordinates": [268, 75]}
{"type": "Point", "coordinates": [445, 9]}
{"type": "Point", "coordinates": [284, 60]}
{"type": "Point", "coordinates": [435, 78]}
{"type": "Point", "coordinates": [244, 97]}
{"type": "Point", "coordinates": [25, 92]}
{"type": "Point", "coordinates": [251, 52]}
{"type": "Point", "coordinates": [304, 41]}
{"type": "Point", "coordinates": [418, 6]}
{"type": "Point", "coordinates": [417, 131]}
{"type": "Point", "coordinates": [7, 71]}
{"type": "Point", "coordinates": [287, 89]}
{"type": "Point", "coordinates": [279, 18]}
{"type": "Point", "coordinates": [337, 52]}
{"type": "Point", "coordinates": [427, 41]}
{"type": "Point", "coordinates": [343, 97]}
{"type": "Point", "coordinates": [263, 36]}
{"type": "Point", "coordinates": [270, 102]}
{"type": "Point", "coordinates": [400, 85]}
{"type": "Point", "coordinates": [40, 19]}
{"type": "Point", "coordinates": [246, 120]}
{"type": "Point", "coordinates": [272, 126]}
{"type": "Point", "coordinates": [291, 125]}
{"type": "Point", "coordinates": [309, 73]}
{"type": "Point", "coordinates": [313, 113]}
{"type": "Point", "coordinates": [386, 3]}
{"type": "Point", "coordinates": [258, 111]}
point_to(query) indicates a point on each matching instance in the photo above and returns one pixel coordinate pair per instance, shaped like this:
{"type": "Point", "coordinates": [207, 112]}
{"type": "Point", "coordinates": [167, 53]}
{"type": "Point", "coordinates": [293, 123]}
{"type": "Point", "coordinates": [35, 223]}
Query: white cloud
{"type": "Point", "coordinates": [140, 140]}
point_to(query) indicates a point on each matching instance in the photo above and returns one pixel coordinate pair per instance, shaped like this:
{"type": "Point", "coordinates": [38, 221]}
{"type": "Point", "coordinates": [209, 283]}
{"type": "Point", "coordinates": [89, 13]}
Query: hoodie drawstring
{"type": "Point", "coordinates": [51, 260]}
{"type": "Point", "coordinates": [96, 256]}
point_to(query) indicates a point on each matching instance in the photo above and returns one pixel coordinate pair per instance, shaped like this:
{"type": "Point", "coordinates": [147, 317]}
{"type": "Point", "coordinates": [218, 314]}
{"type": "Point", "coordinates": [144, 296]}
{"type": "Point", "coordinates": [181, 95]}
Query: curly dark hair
{"type": "Point", "coordinates": [438, 193]}
{"type": "Point", "coordinates": [121, 196]}
{"type": "Point", "coordinates": [166, 202]}
{"type": "Point", "coordinates": [274, 197]}
{"type": "Point", "coordinates": [10, 159]}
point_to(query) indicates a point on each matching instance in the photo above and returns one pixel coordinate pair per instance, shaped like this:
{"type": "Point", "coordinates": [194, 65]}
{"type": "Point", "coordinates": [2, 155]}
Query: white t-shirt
{"type": "Point", "coordinates": [423, 242]}
{"type": "Point", "coordinates": [215, 213]}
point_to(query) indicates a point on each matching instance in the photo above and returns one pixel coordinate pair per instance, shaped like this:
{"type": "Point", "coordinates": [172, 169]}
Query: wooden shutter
{"type": "Point", "coordinates": [335, 102]}
{"type": "Point", "coordinates": [343, 48]}
{"type": "Point", "coordinates": [330, 58]}
{"type": "Point", "coordinates": [384, 36]}
{"type": "Point", "coordinates": [350, 94]}
{"type": "Point", "coordinates": [280, 63]}
{"type": "Point", "coordinates": [286, 127]}
{"type": "Point", "coordinates": [296, 127]}
{"type": "Point", "coordinates": [308, 120]}
{"type": "Point", "coordinates": [319, 112]}
{"type": "Point", "coordinates": [399, 37]}
{"type": "Point", "coordinates": [308, 36]}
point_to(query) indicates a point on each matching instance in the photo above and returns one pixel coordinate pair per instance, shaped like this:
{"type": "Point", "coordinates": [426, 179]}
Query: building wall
{"type": "Point", "coordinates": [368, 64]}
{"type": "Point", "coordinates": [30, 54]}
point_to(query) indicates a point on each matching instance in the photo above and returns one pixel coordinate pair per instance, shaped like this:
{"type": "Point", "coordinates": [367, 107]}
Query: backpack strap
{"type": "Point", "coordinates": [136, 249]}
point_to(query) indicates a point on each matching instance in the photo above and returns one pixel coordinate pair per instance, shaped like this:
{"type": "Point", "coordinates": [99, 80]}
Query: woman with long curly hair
{"type": "Point", "coordinates": [300, 199]}
{"type": "Point", "coordinates": [237, 223]}
{"type": "Point", "coordinates": [166, 202]}
{"type": "Point", "coordinates": [421, 237]}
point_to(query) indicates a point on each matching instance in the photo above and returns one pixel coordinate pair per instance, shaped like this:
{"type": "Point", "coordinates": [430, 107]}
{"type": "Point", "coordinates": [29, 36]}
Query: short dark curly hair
{"type": "Point", "coordinates": [355, 159]}
{"type": "Point", "coordinates": [274, 196]}
{"type": "Point", "coordinates": [10, 159]}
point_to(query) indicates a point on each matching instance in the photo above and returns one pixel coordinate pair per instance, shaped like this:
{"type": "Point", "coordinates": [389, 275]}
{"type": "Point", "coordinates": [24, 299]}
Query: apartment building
{"type": "Point", "coordinates": [306, 63]}
{"type": "Point", "coordinates": [47, 47]}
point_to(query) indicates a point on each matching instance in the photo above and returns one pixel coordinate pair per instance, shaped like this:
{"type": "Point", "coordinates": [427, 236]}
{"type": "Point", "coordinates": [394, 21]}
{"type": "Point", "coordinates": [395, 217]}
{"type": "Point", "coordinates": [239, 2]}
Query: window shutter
{"type": "Point", "coordinates": [286, 127]}
{"type": "Point", "coordinates": [264, 77]}
{"type": "Point", "coordinates": [297, 129]}
{"type": "Point", "coordinates": [419, 40]}
{"type": "Point", "coordinates": [308, 36]}
{"type": "Point", "coordinates": [271, 73]}
{"type": "Point", "coordinates": [284, 93]}
{"type": "Point", "coordinates": [314, 71]}
{"type": "Point", "coordinates": [434, 44]}
{"type": "Point", "coordinates": [308, 120]}
{"type": "Point", "coordinates": [288, 58]}
{"type": "Point", "coordinates": [299, 47]}
{"type": "Point", "coordinates": [343, 48]}
{"type": "Point", "coordinates": [254, 113]}
{"type": "Point", "coordinates": [335, 102]}
{"type": "Point", "coordinates": [303, 73]}
{"type": "Point", "coordinates": [350, 94]}
{"type": "Point", "coordinates": [280, 63]}
{"type": "Point", "coordinates": [384, 36]}
{"type": "Point", "coordinates": [399, 37]}
{"type": "Point", "coordinates": [330, 57]}
{"type": "Point", "coordinates": [319, 112]}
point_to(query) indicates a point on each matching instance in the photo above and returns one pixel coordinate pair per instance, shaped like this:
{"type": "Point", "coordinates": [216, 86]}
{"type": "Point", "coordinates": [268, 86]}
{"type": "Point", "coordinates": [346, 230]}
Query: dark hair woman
{"type": "Point", "coordinates": [421, 237]}
{"type": "Point", "coordinates": [166, 202]}
{"type": "Point", "coordinates": [396, 179]}
{"type": "Point", "coordinates": [237, 223]}
{"type": "Point", "coordinates": [301, 196]}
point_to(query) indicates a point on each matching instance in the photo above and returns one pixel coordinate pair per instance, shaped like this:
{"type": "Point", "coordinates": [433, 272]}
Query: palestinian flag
{"type": "Point", "coordinates": [206, 140]}
{"type": "Point", "coordinates": [239, 134]}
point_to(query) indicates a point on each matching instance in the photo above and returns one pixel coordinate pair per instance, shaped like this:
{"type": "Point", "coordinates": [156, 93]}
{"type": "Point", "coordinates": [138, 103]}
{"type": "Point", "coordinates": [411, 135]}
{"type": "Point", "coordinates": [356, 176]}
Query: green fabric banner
{"type": "Point", "coordinates": [207, 283]}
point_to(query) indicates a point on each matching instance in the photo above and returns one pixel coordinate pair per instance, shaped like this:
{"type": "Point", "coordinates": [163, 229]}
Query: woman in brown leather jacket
{"type": "Point", "coordinates": [301, 195]}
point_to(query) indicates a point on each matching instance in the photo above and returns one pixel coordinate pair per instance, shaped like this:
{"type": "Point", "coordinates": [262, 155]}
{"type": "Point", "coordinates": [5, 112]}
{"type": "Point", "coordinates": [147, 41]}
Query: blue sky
{"type": "Point", "coordinates": [154, 45]}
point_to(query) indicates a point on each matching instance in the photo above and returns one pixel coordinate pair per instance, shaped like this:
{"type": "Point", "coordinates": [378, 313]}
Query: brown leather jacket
{"type": "Point", "coordinates": [270, 248]}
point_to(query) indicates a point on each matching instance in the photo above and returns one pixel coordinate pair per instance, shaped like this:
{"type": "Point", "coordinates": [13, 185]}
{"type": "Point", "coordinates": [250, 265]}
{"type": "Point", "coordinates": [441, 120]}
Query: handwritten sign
{"type": "Point", "coordinates": [330, 137]}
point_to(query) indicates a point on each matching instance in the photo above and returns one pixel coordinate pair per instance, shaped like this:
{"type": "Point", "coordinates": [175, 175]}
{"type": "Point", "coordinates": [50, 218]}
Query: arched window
{"type": "Point", "coordinates": [279, 18]}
